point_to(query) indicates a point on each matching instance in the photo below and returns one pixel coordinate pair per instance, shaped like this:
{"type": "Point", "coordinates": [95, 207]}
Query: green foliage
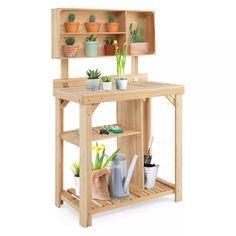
{"type": "Point", "coordinates": [106, 79]}
{"type": "Point", "coordinates": [70, 41]}
{"type": "Point", "coordinates": [91, 38]}
{"type": "Point", "coordinates": [71, 17]}
{"type": "Point", "coordinates": [111, 19]}
{"type": "Point", "coordinates": [110, 40]}
{"type": "Point", "coordinates": [121, 60]}
{"type": "Point", "coordinates": [137, 34]}
{"type": "Point", "coordinates": [100, 155]}
{"type": "Point", "coordinates": [92, 18]}
{"type": "Point", "coordinates": [93, 74]}
{"type": "Point", "coordinates": [75, 168]}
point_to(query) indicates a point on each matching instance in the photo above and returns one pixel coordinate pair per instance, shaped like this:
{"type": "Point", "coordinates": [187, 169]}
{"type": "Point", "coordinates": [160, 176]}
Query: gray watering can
{"type": "Point", "coordinates": [120, 179]}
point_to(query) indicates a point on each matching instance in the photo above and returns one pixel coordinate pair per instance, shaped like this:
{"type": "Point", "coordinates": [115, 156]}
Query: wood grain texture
{"type": "Point", "coordinates": [85, 165]}
{"type": "Point", "coordinates": [64, 68]}
{"type": "Point", "coordinates": [59, 153]}
{"type": "Point", "coordinates": [178, 148]}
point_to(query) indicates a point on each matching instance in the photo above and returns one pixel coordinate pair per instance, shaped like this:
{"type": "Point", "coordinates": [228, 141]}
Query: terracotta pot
{"type": "Point", "coordinates": [112, 27]}
{"type": "Point", "coordinates": [92, 26]}
{"type": "Point", "coordinates": [71, 27]}
{"type": "Point", "coordinates": [109, 50]}
{"type": "Point", "coordinates": [100, 180]}
{"type": "Point", "coordinates": [70, 50]}
{"type": "Point", "coordinates": [139, 48]}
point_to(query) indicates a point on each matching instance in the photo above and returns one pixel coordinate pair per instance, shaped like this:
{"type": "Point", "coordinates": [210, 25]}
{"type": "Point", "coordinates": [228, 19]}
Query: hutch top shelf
{"type": "Point", "coordinates": [59, 17]}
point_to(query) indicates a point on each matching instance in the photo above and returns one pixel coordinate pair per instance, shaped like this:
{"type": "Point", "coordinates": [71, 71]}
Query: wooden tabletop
{"type": "Point", "coordinates": [136, 90]}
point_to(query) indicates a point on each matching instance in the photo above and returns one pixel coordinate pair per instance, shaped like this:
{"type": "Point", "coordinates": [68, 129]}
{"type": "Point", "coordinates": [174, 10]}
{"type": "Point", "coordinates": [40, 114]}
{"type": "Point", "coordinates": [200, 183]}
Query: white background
{"type": "Point", "coordinates": [196, 46]}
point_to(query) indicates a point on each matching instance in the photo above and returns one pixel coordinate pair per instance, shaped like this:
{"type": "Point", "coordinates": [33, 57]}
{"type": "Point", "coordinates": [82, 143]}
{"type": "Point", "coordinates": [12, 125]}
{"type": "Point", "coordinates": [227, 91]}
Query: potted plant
{"type": "Point", "coordinates": [92, 82]}
{"type": "Point", "coordinates": [106, 83]}
{"type": "Point", "coordinates": [112, 25]}
{"type": "Point", "coordinates": [70, 50]}
{"type": "Point", "coordinates": [137, 45]}
{"type": "Point", "coordinates": [71, 26]}
{"type": "Point", "coordinates": [121, 82]}
{"type": "Point", "coordinates": [76, 172]}
{"type": "Point", "coordinates": [91, 46]}
{"type": "Point", "coordinates": [101, 173]}
{"type": "Point", "coordinates": [110, 46]}
{"type": "Point", "coordinates": [92, 25]}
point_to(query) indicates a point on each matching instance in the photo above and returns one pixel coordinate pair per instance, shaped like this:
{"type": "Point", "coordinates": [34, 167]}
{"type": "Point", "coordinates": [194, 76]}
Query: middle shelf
{"type": "Point", "coordinates": [72, 136]}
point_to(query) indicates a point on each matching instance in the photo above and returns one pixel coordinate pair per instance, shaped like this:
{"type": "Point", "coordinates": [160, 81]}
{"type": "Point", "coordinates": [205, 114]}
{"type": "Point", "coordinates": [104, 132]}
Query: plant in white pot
{"type": "Point", "coordinates": [106, 83]}
{"type": "Point", "coordinates": [121, 82]}
{"type": "Point", "coordinates": [137, 45]}
{"type": "Point", "coordinates": [93, 81]}
{"type": "Point", "coordinates": [91, 46]}
{"type": "Point", "coordinates": [76, 172]}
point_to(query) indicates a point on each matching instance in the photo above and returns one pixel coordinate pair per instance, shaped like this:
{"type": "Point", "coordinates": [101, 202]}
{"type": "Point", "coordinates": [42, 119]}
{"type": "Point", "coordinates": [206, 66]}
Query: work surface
{"type": "Point", "coordinates": [136, 90]}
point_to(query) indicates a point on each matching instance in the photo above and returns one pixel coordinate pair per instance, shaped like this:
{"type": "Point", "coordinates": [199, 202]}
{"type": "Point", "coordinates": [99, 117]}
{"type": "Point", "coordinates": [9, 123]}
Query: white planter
{"type": "Point", "coordinates": [121, 84]}
{"type": "Point", "coordinates": [106, 85]}
{"type": "Point", "coordinates": [77, 185]}
{"type": "Point", "coordinates": [93, 84]}
{"type": "Point", "coordinates": [150, 175]}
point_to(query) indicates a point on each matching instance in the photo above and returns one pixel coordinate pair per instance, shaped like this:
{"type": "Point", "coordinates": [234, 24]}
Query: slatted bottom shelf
{"type": "Point", "coordinates": [161, 188]}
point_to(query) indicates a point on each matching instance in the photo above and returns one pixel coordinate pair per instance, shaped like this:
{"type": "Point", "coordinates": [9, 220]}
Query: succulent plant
{"type": "Point", "coordinates": [137, 34]}
{"type": "Point", "coordinates": [70, 41]}
{"type": "Point", "coordinates": [111, 19]}
{"type": "Point", "coordinates": [71, 17]}
{"type": "Point", "coordinates": [92, 18]}
{"type": "Point", "coordinates": [110, 40]}
{"type": "Point", "coordinates": [93, 74]}
{"type": "Point", "coordinates": [91, 38]}
{"type": "Point", "coordinates": [106, 79]}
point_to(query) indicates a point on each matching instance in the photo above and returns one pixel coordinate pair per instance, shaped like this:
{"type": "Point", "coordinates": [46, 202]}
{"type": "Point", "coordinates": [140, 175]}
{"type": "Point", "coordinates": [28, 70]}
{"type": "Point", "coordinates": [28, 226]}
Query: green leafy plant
{"type": "Point", "coordinates": [137, 34]}
{"type": "Point", "coordinates": [91, 38]}
{"type": "Point", "coordinates": [75, 168]}
{"type": "Point", "coordinates": [70, 40]}
{"type": "Point", "coordinates": [106, 79]}
{"type": "Point", "coordinates": [100, 155]}
{"type": "Point", "coordinates": [121, 60]}
{"type": "Point", "coordinates": [92, 18]}
{"type": "Point", "coordinates": [111, 19]}
{"type": "Point", "coordinates": [93, 74]}
{"type": "Point", "coordinates": [110, 40]}
{"type": "Point", "coordinates": [71, 17]}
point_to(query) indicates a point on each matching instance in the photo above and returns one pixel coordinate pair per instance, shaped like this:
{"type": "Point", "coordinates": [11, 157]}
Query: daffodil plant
{"type": "Point", "coordinates": [100, 155]}
{"type": "Point", "coordinates": [121, 60]}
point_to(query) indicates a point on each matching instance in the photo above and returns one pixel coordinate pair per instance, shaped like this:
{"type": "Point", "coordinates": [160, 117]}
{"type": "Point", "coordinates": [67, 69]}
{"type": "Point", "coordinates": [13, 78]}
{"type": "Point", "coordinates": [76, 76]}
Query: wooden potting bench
{"type": "Point", "coordinates": [133, 115]}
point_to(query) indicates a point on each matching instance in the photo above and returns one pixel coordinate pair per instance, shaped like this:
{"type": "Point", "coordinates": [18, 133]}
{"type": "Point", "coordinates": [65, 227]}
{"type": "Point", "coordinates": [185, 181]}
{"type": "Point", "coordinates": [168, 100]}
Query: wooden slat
{"type": "Point", "coordinates": [69, 199]}
{"type": "Point", "coordinates": [160, 180]}
{"type": "Point", "coordinates": [178, 148]}
{"type": "Point", "coordinates": [85, 165]}
{"type": "Point", "coordinates": [64, 68]}
{"type": "Point", "coordinates": [171, 99]}
{"type": "Point", "coordinates": [73, 135]}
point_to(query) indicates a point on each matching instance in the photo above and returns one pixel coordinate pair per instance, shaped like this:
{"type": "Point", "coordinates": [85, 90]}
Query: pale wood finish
{"type": "Point", "coordinates": [59, 153]}
{"type": "Point", "coordinates": [94, 107]}
{"type": "Point", "coordinates": [159, 190]}
{"type": "Point", "coordinates": [147, 121]}
{"type": "Point", "coordinates": [64, 68]}
{"type": "Point", "coordinates": [85, 165]}
{"type": "Point", "coordinates": [135, 90]}
{"type": "Point", "coordinates": [64, 103]}
{"type": "Point", "coordinates": [59, 16]}
{"type": "Point", "coordinates": [178, 148]}
{"type": "Point", "coordinates": [130, 113]}
{"type": "Point", "coordinates": [78, 82]}
{"type": "Point", "coordinates": [134, 64]}
{"type": "Point", "coordinates": [171, 99]}
{"type": "Point", "coordinates": [73, 136]}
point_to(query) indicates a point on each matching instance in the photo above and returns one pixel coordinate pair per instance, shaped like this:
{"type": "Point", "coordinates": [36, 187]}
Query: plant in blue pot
{"type": "Point", "coordinates": [91, 46]}
{"type": "Point", "coordinates": [121, 81]}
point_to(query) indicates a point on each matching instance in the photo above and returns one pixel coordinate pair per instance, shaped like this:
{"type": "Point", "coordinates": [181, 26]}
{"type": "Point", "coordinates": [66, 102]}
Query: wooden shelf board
{"type": "Point", "coordinates": [95, 33]}
{"type": "Point", "coordinates": [160, 189]}
{"type": "Point", "coordinates": [73, 135]}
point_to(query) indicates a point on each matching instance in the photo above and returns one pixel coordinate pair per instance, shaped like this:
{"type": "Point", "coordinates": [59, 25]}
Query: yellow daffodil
{"type": "Point", "coordinates": [98, 149]}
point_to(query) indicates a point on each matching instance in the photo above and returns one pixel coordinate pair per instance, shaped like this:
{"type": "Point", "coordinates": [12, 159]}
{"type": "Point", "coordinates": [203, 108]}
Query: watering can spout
{"type": "Point", "coordinates": [130, 172]}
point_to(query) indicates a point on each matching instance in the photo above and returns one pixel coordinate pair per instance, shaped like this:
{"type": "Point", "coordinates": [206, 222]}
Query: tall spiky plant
{"type": "Point", "coordinates": [121, 60]}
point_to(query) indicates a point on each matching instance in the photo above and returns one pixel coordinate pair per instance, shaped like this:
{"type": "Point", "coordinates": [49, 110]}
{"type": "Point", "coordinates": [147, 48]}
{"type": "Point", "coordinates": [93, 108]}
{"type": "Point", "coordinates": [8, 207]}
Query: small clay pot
{"type": "Point", "coordinates": [70, 50]}
{"type": "Point", "coordinates": [112, 27]}
{"type": "Point", "coordinates": [109, 50]}
{"type": "Point", "coordinates": [92, 26]}
{"type": "Point", "coordinates": [71, 27]}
